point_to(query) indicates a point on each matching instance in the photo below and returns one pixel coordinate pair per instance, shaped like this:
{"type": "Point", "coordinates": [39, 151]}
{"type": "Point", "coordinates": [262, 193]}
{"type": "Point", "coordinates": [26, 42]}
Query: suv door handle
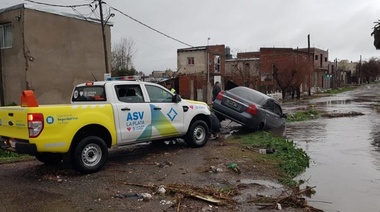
{"type": "Point", "coordinates": [125, 108]}
{"type": "Point", "coordinates": [157, 108]}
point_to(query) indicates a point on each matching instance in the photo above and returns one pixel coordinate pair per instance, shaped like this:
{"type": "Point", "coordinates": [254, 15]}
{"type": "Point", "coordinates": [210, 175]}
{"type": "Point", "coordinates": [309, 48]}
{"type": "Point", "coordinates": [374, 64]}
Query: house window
{"type": "Point", "coordinates": [316, 57]}
{"type": "Point", "coordinates": [6, 36]}
{"type": "Point", "coordinates": [217, 64]}
{"type": "Point", "coordinates": [325, 59]}
{"type": "Point", "coordinates": [190, 61]}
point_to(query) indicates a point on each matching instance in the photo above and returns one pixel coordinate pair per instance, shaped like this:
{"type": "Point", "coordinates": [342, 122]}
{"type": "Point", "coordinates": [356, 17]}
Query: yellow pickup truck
{"type": "Point", "coordinates": [102, 114]}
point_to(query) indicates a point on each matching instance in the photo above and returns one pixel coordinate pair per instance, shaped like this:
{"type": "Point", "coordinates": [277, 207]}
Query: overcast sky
{"type": "Point", "coordinates": [342, 27]}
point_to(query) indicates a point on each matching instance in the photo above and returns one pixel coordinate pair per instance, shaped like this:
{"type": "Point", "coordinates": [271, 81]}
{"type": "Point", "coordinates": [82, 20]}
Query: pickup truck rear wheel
{"type": "Point", "coordinates": [197, 135]}
{"type": "Point", "coordinates": [49, 158]}
{"type": "Point", "coordinates": [90, 155]}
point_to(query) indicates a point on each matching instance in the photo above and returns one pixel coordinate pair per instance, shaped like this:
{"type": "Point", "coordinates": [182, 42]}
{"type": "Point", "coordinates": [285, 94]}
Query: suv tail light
{"type": "Point", "coordinates": [35, 124]}
{"type": "Point", "coordinates": [252, 109]}
{"type": "Point", "coordinates": [220, 95]}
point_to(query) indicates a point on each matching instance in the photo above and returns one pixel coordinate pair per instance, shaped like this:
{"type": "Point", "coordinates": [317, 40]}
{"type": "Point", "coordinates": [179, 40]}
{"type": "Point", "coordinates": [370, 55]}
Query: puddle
{"type": "Point", "coordinates": [345, 153]}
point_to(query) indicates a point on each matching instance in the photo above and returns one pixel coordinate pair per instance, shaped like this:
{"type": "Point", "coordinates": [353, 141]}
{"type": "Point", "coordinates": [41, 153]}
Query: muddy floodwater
{"type": "Point", "coordinates": [344, 151]}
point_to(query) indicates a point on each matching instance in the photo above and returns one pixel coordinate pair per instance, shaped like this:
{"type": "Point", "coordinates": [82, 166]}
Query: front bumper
{"type": "Point", "coordinates": [19, 146]}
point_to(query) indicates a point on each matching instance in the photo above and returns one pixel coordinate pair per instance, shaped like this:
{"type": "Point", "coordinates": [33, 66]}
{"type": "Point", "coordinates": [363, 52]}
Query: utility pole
{"type": "Point", "coordinates": [1, 78]}
{"type": "Point", "coordinates": [103, 35]}
{"type": "Point", "coordinates": [334, 74]}
{"type": "Point", "coordinates": [310, 69]}
{"type": "Point", "coordinates": [360, 68]}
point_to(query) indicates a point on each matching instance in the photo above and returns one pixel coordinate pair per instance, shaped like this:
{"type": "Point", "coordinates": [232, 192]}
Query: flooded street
{"type": "Point", "coordinates": [345, 151]}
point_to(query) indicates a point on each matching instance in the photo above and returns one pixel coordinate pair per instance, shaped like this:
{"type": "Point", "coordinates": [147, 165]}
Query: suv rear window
{"type": "Point", "coordinates": [249, 94]}
{"type": "Point", "coordinates": [89, 93]}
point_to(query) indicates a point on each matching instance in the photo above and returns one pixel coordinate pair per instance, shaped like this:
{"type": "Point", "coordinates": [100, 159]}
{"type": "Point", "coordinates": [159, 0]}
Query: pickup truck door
{"type": "Point", "coordinates": [133, 114]}
{"type": "Point", "coordinates": [167, 115]}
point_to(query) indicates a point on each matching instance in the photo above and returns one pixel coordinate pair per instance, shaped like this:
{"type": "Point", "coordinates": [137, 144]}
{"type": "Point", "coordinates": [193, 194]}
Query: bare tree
{"type": "Point", "coordinates": [122, 57]}
{"type": "Point", "coordinates": [370, 69]}
{"type": "Point", "coordinates": [245, 72]}
{"type": "Point", "coordinates": [376, 35]}
{"type": "Point", "coordinates": [291, 74]}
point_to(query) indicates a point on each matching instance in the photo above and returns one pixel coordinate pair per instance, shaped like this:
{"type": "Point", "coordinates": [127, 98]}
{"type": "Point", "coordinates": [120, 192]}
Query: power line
{"type": "Point", "coordinates": [151, 28]}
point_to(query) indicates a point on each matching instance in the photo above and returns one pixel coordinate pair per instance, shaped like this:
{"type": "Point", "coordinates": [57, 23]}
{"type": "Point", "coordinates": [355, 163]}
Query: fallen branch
{"type": "Point", "coordinates": [200, 193]}
{"type": "Point", "coordinates": [294, 200]}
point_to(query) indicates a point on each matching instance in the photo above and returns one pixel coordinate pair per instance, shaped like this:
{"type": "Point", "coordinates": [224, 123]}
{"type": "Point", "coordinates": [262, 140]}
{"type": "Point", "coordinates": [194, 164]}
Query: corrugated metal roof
{"type": "Point", "coordinates": [51, 11]}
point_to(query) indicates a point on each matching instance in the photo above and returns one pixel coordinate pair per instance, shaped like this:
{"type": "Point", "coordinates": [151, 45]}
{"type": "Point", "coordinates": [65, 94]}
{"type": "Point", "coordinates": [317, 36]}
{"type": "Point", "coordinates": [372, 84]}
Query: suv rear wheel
{"type": "Point", "coordinates": [90, 154]}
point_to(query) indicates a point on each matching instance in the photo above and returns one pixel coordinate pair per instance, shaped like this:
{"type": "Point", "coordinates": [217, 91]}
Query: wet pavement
{"type": "Point", "coordinates": [345, 151]}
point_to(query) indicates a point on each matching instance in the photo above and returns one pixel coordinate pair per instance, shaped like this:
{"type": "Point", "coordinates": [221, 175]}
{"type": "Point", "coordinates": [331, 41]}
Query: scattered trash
{"type": "Point", "coordinates": [214, 169]}
{"type": "Point", "coordinates": [267, 151]}
{"type": "Point", "coordinates": [145, 197]}
{"type": "Point", "coordinates": [279, 206]}
{"type": "Point", "coordinates": [206, 194]}
{"type": "Point", "coordinates": [127, 195]}
{"type": "Point", "coordinates": [161, 190]}
{"type": "Point", "coordinates": [166, 202]}
{"type": "Point", "coordinates": [59, 179]}
{"type": "Point", "coordinates": [294, 199]}
{"type": "Point", "coordinates": [165, 164]}
{"type": "Point", "coordinates": [234, 167]}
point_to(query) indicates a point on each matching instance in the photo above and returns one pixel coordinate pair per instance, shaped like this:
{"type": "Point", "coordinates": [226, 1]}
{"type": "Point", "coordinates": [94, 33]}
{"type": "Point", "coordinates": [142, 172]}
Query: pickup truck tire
{"type": "Point", "coordinates": [90, 155]}
{"type": "Point", "coordinates": [197, 135]}
{"type": "Point", "coordinates": [49, 158]}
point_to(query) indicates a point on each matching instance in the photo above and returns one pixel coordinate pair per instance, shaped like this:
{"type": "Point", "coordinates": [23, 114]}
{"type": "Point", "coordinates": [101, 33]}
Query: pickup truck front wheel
{"type": "Point", "coordinates": [90, 155]}
{"type": "Point", "coordinates": [197, 135]}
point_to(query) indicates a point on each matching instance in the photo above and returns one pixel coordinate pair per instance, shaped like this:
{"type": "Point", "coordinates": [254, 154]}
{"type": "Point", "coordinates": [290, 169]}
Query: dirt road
{"type": "Point", "coordinates": [32, 186]}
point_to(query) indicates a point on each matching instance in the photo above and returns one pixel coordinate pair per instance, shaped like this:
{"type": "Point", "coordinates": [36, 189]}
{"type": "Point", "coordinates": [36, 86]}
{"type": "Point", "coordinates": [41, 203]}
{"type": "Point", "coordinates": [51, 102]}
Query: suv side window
{"type": "Point", "coordinates": [158, 94]}
{"type": "Point", "coordinates": [269, 106]}
{"type": "Point", "coordinates": [277, 109]}
{"type": "Point", "coordinates": [129, 93]}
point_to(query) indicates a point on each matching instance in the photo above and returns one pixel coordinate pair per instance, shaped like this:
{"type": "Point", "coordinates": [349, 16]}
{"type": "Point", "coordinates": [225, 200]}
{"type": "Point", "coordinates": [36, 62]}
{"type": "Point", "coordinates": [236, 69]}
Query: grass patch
{"type": "Point", "coordinates": [8, 156]}
{"type": "Point", "coordinates": [303, 116]}
{"type": "Point", "coordinates": [290, 160]}
{"type": "Point", "coordinates": [340, 90]}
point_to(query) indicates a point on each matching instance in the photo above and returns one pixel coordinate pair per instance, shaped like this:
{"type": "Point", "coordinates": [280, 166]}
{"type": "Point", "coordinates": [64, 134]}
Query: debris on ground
{"type": "Point", "coordinates": [337, 115]}
{"type": "Point", "coordinates": [163, 164]}
{"type": "Point", "coordinates": [211, 195]}
{"type": "Point", "coordinates": [234, 167]}
{"type": "Point", "coordinates": [295, 200]}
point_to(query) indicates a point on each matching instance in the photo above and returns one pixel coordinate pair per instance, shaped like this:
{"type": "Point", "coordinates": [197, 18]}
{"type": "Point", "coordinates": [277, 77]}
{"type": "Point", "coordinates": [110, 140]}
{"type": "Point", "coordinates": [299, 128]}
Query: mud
{"type": "Point", "coordinates": [32, 186]}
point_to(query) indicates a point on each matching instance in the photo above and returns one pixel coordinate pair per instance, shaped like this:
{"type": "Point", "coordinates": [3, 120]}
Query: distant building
{"type": "Point", "coordinates": [348, 73]}
{"type": "Point", "coordinates": [244, 70]}
{"type": "Point", "coordinates": [198, 69]}
{"type": "Point", "coordinates": [49, 52]}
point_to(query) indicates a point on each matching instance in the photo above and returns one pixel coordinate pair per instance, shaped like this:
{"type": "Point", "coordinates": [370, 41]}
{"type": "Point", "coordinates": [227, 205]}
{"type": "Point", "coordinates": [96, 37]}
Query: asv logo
{"type": "Point", "coordinates": [135, 121]}
{"type": "Point", "coordinates": [135, 116]}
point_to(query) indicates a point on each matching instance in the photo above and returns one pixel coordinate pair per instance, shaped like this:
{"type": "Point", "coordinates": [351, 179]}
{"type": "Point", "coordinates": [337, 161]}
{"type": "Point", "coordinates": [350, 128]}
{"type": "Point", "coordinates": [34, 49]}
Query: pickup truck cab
{"type": "Point", "coordinates": [101, 115]}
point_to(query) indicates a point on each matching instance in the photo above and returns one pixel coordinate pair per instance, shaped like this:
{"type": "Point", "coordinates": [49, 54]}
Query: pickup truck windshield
{"type": "Point", "coordinates": [89, 93]}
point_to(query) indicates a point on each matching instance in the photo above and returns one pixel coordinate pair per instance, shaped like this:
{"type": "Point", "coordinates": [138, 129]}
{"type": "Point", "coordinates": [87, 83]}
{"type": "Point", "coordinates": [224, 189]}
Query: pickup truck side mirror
{"type": "Point", "coordinates": [284, 116]}
{"type": "Point", "coordinates": [176, 98]}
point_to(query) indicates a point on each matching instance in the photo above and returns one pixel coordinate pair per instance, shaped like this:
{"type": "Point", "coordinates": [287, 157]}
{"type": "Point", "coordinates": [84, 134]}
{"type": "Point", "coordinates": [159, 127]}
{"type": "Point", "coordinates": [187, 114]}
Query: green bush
{"type": "Point", "coordinates": [292, 161]}
{"type": "Point", "coordinates": [303, 115]}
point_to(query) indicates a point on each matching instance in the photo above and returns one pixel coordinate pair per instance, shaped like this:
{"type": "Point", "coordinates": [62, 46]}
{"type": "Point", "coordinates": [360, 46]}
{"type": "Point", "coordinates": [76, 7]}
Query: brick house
{"type": "Point", "coordinates": [314, 65]}
{"type": "Point", "coordinates": [244, 69]}
{"type": "Point", "coordinates": [48, 52]}
{"type": "Point", "coordinates": [198, 69]}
